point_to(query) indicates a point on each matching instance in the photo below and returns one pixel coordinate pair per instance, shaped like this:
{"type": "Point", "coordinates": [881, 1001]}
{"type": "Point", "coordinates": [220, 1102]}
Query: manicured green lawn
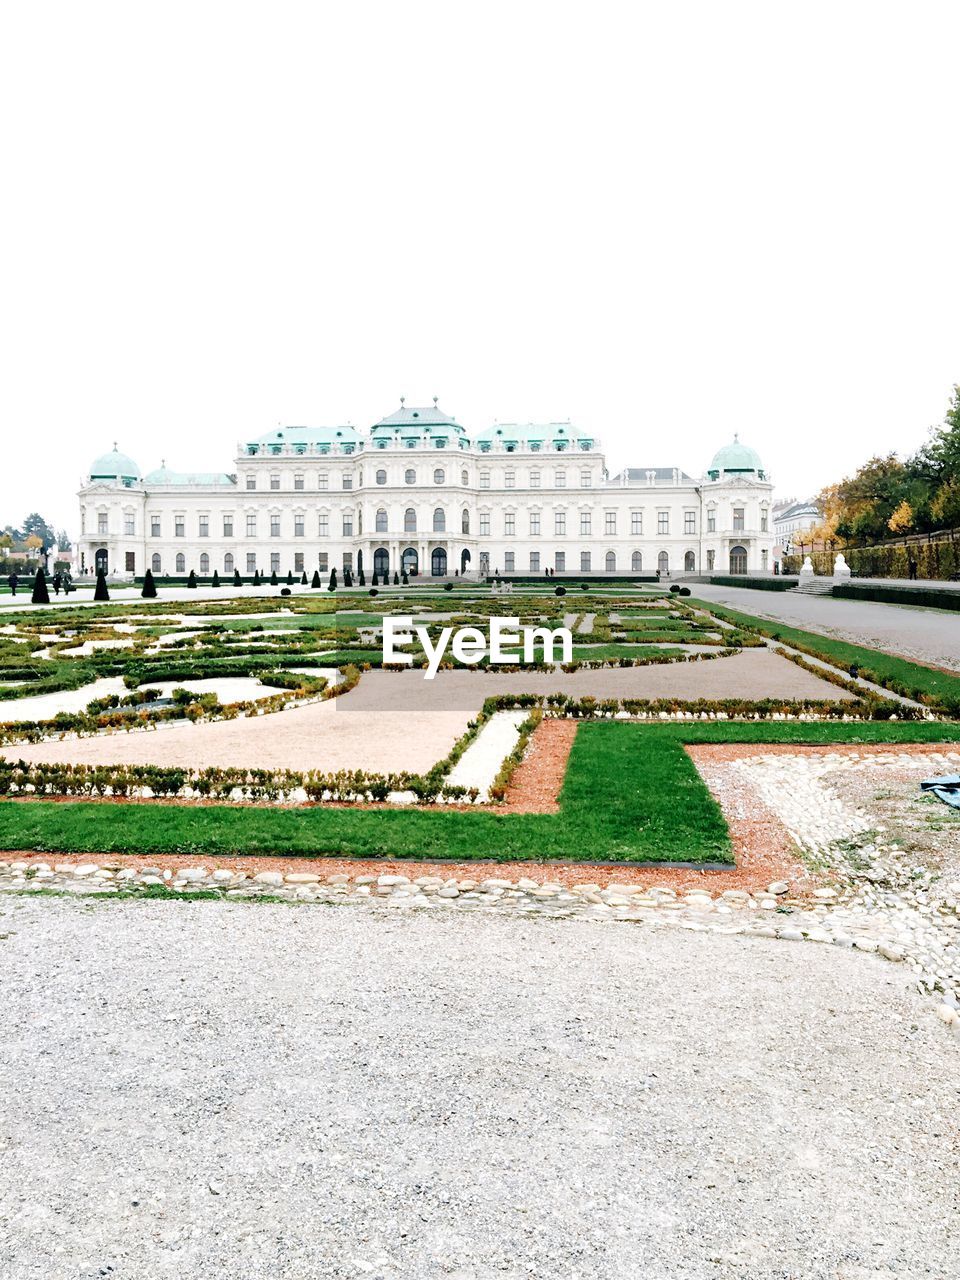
{"type": "Point", "coordinates": [631, 794]}
{"type": "Point", "coordinates": [901, 675]}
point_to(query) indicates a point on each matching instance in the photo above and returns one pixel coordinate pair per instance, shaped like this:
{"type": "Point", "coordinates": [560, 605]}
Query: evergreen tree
{"type": "Point", "coordinates": [406, 580]}
{"type": "Point", "coordinates": [40, 593]}
{"type": "Point", "coordinates": [316, 579]}
{"type": "Point", "coordinates": [373, 579]}
{"type": "Point", "coordinates": [192, 580]}
{"type": "Point", "coordinates": [149, 591]}
{"type": "Point", "coordinates": [396, 578]}
{"type": "Point", "coordinates": [237, 580]}
{"type": "Point", "coordinates": [303, 578]}
{"type": "Point", "coordinates": [332, 585]}
{"type": "Point", "coordinates": [361, 580]}
{"type": "Point", "coordinates": [101, 592]}
{"type": "Point", "coordinates": [289, 577]}
{"type": "Point", "coordinates": [274, 580]}
{"type": "Point", "coordinates": [215, 580]}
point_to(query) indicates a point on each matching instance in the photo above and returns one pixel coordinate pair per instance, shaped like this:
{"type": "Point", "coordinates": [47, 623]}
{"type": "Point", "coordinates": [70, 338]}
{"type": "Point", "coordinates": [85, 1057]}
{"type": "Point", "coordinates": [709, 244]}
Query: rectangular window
{"type": "Point", "coordinates": [251, 526]}
{"type": "Point", "coordinates": [586, 479]}
{"type": "Point", "coordinates": [154, 526]}
{"type": "Point", "coordinates": [636, 523]}
{"type": "Point", "coordinates": [298, 527]}
{"type": "Point", "coordinates": [298, 482]}
{"type": "Point", "coordinates": [560, 523]}
{"type": "Point", "coordinates": [323, 562]}
{"type": "Point", "coordinates": [560, 561]}
{"type": "Point", "coordinates": [274, 482]}
{"type": "Point", "coordinates": [298, 561]}
{"type": "Point", "coordinates": [509, 524]}
{"type": "Point", "coordinates": [251, 562]}
{"type": "Point", "coordinates": [689, 522]}
{"type": "Point", "coordinates": [610, 523]}
{"type": "Point", "coordinates": [711, 557]}
{"type": "Point", "coordinates": [534, 524]}
{"type": "Point", "coordinates": [348, 482]}
{"type": "Point", "coordinates": [534, 479]}
{"type": "Point", "coordinates": [128, 525]}
{"type": "Point", "coordinates": [484, 479]}
{"type": "Point", "coordinates": [509, 479]}
{"type": "Point", "coordinates": [228, 526]}
{"type": "Point", "coordinates": [508, 561]}
{"type": "Point", "coordinates": [203, 526]}
{"type": "Point", "coordinates": [348, 524]}
{"type": "Point", "coordinates": [178, 527]}
{"type": "Point", "coordinates": [663, 522]}
{"type": "Point", "coordinates": [534, 561]}
{"type": "Point", "coordinates": [323, 480]}
{"type": "Point", "coordinates": [251, 482]}
{"type": "Point", "coordinates": [711, 522]}
{"type": "Point", "coordinates": [130, 561]}
{"type": "Point", "coordinates": [738, 517]}
{"type": "Point", "coordinates": [763, 522]}
{"type": "Point", "coordinates": [274, 561]}
{"type": "Point", "coordinates": [560, 479]}
{"type": "Point", "coordinates": [348, 561]}
{"type": "Point", "coordinates": [584, 561]}
{"type": "Point", "coordinates": [274, 526]}
{"type": "Point", "coordinates": [484, 525]}
{"type": "Point", "coordinates": [323, 524]}
{"type": "Point", "coordinates": [585, 522]}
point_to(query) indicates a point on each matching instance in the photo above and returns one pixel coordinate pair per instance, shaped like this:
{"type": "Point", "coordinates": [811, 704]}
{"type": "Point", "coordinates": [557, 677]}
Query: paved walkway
{"type": "Point", "coordinates": [930, 635]}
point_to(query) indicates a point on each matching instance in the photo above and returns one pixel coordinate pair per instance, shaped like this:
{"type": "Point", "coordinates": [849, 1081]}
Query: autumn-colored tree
{"type": "Point", "coordinates": [902, 519]}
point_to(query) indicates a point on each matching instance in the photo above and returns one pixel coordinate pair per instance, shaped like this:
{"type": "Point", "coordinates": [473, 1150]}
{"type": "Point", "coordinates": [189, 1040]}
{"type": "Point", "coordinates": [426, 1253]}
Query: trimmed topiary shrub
{"type": "Point", "coordinates": [396, 580]}
{"type": "Point", "coordinates": [315, 582]}
{"type": "Point", "coordinates": [274, 580]}
{"type": "Point", "coordinates": [303, 578]}
{"type": "Point", "coordinates": [448, 586]}
{"type": "Point", "coordinates": [215, 580]}
{"type": "Point", "coordinates": [237, 580]}
{"type": "Point", "coordinates": [289, 577]}
{"type": "Point", "coordinates": [684, 591]}
{"type": "Point", "coordinates": [332, 584]}
{"type": "Point", "coordinates": [373, 591]}
{"type": "Point", "coordinates": [560, 591]}
{"type": "Point", "coordinates": [285, 591]}
{"type": "Point", "coordinates": [100, 592]}
{"type": "Point", "coordinates": [191, 580]}
{"type": "Point", "coordinates": [149, 591]}
{"type": "Point", "coordinates": [361, 580]}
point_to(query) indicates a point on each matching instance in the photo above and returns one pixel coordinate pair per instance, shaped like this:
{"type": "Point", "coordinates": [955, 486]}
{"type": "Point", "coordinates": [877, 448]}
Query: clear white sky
{"type": "Point", "coordinates": [667, 222]}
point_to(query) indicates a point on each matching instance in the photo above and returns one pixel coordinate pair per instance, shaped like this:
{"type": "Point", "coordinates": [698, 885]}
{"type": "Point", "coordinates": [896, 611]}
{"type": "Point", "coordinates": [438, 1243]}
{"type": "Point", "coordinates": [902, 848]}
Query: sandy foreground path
{"type": "Point", "coordinates": [199, 1090]}
{"type": "Point", "coordinates": [398, 720]}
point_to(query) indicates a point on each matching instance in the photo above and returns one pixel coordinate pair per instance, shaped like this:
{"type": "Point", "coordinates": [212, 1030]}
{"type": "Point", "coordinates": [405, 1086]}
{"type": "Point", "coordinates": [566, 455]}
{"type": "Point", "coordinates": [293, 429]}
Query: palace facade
{"type": "Point", "coordinates": [417, 492]}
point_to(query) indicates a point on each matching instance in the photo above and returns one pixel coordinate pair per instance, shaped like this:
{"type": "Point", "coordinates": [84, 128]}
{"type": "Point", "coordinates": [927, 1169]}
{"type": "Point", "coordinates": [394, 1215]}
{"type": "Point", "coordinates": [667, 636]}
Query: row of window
{"type": "Point", "coordinates": [738, 556]}
{"type": "Point", "coordinates": [439, 523]}
{"type": "Point", "coordinates": [410, 476]}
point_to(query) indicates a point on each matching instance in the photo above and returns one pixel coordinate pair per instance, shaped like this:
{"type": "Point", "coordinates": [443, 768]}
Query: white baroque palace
{"type": "Point", "coordinates": [418, 493]}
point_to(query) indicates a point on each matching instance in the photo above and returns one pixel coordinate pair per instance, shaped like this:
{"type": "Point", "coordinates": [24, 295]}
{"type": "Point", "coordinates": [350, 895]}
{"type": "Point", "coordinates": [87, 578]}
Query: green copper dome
{"type": "Point", "coordinates": [115, 466]}
{"type": "Point", "coordinates": [735, 459]}
{"type": "Point", "coordinates": [304, 439]}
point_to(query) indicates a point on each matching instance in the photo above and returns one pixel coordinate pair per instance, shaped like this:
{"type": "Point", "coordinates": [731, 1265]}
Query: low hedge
{"type": "Point", "coordinates": [924, 597]}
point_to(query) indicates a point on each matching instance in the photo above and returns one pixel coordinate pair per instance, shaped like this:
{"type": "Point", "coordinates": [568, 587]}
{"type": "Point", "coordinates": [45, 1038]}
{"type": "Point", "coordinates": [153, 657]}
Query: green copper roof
{"type": "Point", "coordinates": [416, 422]}
{"type": "Point", "coordinates": [735, 458]}
{"type": "Point", "coordinates": [114, 466]}
{"type": "Point", "coordinates": [548, 435]}
{"type": "Point", "coordinates": [164, 476]}
{"type": "Point", "coordinates": [303, 437]}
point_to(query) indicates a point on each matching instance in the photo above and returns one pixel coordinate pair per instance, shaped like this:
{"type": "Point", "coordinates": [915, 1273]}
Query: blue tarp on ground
{"type": "Point", "coordinates": [945, 789]}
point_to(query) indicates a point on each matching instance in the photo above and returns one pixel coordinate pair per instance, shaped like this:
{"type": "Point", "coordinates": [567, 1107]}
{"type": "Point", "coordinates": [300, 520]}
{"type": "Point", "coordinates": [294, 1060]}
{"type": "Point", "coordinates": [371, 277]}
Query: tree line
{"type": "Point", "coordinates": [889, 497]}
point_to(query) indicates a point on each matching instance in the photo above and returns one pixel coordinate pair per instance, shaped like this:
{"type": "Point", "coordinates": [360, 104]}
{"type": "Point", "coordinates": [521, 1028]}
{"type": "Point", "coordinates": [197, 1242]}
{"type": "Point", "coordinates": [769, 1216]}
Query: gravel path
{"type": "Point", "coordinates": [397, 720]}
{"type": "Point", "coordinates": [929, 635]}
{"type": "Point", "coordinates": [231, 1090]}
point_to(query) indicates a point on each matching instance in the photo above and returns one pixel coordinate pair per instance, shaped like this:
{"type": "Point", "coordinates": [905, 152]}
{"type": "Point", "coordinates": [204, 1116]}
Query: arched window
{"type": "Point", "coordinates": [381, 561]}
{"type": "Point", "coordinates": [410, 476]}
{"type": "Point", "coordinates": [204, 563]}
{"type": "Point", "coordinates": [689, 562]}
{"type": "Point", "coordinates": [663, 562]}
{"type": "Point", "coordinates": [464, 477]}
{"type": "Point", "coordinates": [410, 520]}
{"type": "Point", "coordinates": [438, 476]}
{"type": "Point", "coordinates": [636, 561]}
{"type": "Point", "coordinates": [439, 520]}
{"type": "Point", "coordinates": [381, 476]}
{"type": "Point", "coordinates": [381, 521]}
{"type": "Point", "coordinates": [154, 563]}
{"type": "Point", "coordinates": [438, 562]}
{"type": "Point", "coordinates": [610, 563]}
{"type": "Point", "coordinates": [228, 562]}
{"type": "Point", "coordinates": [738, 559]}
{"type": "Point", "coordinates": [181, 562]}
{"type": "Point", "coordinates": [465, 521]}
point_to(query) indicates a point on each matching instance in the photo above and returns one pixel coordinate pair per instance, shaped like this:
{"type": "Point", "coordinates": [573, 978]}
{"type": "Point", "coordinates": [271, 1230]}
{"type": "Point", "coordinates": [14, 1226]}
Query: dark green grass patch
{"type": "Point", "coordinates": [631, 794]}
{"type": "Point", "coordinates": [902, 676]}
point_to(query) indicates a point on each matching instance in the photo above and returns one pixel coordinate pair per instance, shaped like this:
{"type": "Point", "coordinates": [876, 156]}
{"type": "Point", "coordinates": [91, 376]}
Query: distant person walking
{"type": "Point", "coordinates": [912, 567]}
